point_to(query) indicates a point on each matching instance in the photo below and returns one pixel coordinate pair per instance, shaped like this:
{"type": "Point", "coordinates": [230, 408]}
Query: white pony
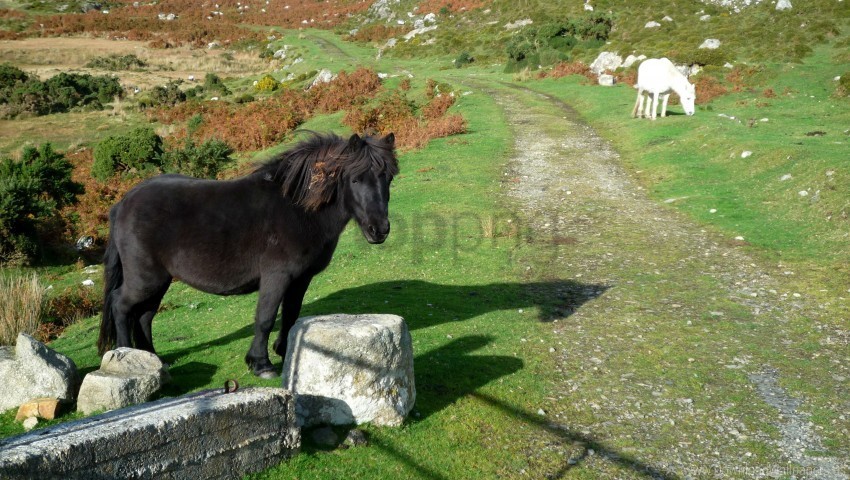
{"type": "Point", "coordinates": [658, 76]}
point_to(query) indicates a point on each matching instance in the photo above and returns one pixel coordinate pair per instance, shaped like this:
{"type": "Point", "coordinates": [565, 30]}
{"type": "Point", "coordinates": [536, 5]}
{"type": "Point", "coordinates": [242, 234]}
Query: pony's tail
{"type": "Point", "coordinates": [113, 277]}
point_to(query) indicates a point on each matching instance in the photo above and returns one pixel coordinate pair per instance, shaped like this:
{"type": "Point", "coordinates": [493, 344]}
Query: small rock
{"type": "Point", "coordinates": [541, 412]}
{"type": "Point", "coordinates": [739, 238]}
{"type": "Point", "coordinates": [710, 43]}
{"type": "Point", "coordinates": [666, 19]}
{"type": "Point", "coordinates": [606, 80]}
{"type": "Point", "coordinates": [803, 193]}
{"type": "Point", "coordinates": [783, 5]}
{"type": "Point", "coordinates": [88, 282]}
{"type": "Point", "coordinates": [713, 210]}
{"type": "Point", "coordinates": [705, 18]}
{"type": "Point", "coordinates": [30, 423]}
{"type": "Point", "coordinates": [746, 153]}
{"type": "Point", "coordinates": [356, 438]}
{"type": "Point", "coordinates": [652, 24]}
{"type": "Point", "coordinates": [785, 177]}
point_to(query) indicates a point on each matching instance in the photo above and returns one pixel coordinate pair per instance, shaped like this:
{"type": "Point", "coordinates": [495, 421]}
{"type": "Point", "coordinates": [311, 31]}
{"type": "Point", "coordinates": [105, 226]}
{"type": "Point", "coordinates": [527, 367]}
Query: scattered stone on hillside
{"type": "Point", "coordinates": [348, 369]}
{"type": "Point", "coordinates": [418, 31]}
{"type": "Point", "coordinates": [89, 6]}
{"type": "Point", "coordinates": [606, 61]}
{"type": "Point", "coordinates": [631, 59]}
{"type": "Point", "coordinates": [728, 65]}
{"type": "Point", "coordinates": [381, 9]}
{"type": "Point", "coordinates": [166, 16]}
{"type": "Point", "coordinates": [46, 408]}
{"type": "Point", "coordinates": [518, 24]}
{"type": "Point", "coordinates": [606, 80]}
{"type": "Point", "coordinates": [324, 76]}
{"type": "Point", "coordinates": [667, 18]}
{"type": "Point", "coordinates": [32, 370]}
{"type": "Point", "coordinates": [746, 154]}
{"type": "Point", "coordinates": [652, 24]}
{"type": "Point", "coordinates": [126, 377]}
{"type": "Point", "coordinates": [710, 43]}
{"type": "Point", "coordinates": [785, 177]}
{"type": "Point", "coordinates": [783, 5]}
{"type": "Point", "coordinates": [705, 18]}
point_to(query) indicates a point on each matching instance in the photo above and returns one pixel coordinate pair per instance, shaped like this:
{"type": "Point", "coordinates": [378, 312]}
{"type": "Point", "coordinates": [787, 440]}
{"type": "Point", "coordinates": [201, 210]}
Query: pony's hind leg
{"type": "Point", "coordinates": [142, 336]}
{"type": "Point", "coordinates": [135, 304]}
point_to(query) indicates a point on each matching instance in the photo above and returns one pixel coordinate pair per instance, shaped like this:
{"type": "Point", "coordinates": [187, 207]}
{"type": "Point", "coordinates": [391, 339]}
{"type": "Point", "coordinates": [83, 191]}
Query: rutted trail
{"type": "Point", "coordinates": [671, 367]}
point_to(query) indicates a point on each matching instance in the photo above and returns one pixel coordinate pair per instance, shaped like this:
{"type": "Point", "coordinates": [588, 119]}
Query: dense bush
{"type": "Point", "coordinates": [213, 83]}
{"type": "Point", "coordinates": [137, 152]}
{"type": "Point", "coordinates": [117, 62]}
{"type": "Point", "coordinates": [267, 84]}
{"type": "Point", "coordinates": [552, 42]}
{"type": "Point", "coordinates": [21, 93]}
{"type": "Point", "coordinates": [463, 59]}
{"type": "Point", "coordinates": [202, 161]}
{"type": "Point", "coordinates": [31, 192]}
{"type": "Point", "coordinates": [168, 94]}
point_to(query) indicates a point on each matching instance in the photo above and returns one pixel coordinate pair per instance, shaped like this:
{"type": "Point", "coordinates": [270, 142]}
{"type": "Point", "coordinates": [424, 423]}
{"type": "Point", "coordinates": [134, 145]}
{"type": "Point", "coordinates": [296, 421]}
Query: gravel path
{"type": "Point", "coordinates": [710, 316]}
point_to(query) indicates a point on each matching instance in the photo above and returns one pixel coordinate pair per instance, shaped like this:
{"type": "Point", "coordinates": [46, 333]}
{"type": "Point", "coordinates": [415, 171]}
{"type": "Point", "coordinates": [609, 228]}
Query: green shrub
{"type": "Point", "coordinates": [267, 84]}
{"type": "Point", "coordinates": [138, 151]}
{"type": "Point", "coordinates": [463, 59]}
{"type": "Point", "coordinates": [202, 161]}
{"type": "Point", "coordinates": [168, 94]}
{"type": "Point", "coordinates": [21, 93]}
{"type": "Point", "coordinates": [212, 83]}
{"type": "Point", "coordinates": [32, 190]}
{"type": "Point", "coordinates": [117, 62]}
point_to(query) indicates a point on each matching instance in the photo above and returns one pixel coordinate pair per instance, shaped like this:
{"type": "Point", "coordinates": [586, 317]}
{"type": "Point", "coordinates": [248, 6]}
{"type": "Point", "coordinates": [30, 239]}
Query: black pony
{"type": "Point", "coordinates": [271, 230]}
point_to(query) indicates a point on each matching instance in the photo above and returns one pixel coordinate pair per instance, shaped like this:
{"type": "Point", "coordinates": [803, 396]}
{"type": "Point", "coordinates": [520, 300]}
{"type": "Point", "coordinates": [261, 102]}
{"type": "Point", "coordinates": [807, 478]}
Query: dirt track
{"type": "Point", "coordinates": [670, 372]}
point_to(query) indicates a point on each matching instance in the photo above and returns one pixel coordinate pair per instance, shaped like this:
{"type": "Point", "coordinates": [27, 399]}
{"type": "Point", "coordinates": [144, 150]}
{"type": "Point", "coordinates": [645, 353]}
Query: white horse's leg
{"type": "Point", "coordinates": [664, 105]}
{"type": "Point", "coordinates": [648, 100]}
{"type": "Point", "coordinates": [636, 111]}
{"type": "Point", "coordinates": [654, 105]}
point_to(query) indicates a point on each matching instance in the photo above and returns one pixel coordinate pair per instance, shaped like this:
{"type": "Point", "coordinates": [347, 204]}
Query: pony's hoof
{"type": "Point", "coordinates": [267, 374]}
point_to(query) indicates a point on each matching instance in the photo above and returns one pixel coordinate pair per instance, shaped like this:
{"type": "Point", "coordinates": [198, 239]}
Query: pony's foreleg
{"type": "Point", "coordinates": [664, 100]}
{"type": "Point", "coordinates": [292, 301]}
{"type": "Point", "coordinates": [272, 287]}
{"type": "Point", "coordinates": [654, 105]}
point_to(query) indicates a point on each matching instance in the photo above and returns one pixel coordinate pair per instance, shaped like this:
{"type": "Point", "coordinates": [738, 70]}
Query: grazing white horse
{"type": "Point", "coordinates": [659, 77]}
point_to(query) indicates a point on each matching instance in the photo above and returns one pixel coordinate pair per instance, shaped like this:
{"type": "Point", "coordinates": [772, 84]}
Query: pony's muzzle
{"type": "Point", "coordinates": [377, 232]}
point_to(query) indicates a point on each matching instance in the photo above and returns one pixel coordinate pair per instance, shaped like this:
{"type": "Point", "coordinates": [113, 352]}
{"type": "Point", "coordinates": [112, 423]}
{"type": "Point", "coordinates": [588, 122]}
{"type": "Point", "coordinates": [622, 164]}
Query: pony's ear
{"type": "Point", "coordinates": [390, 139]}
{"type": "Point", "coordinates": [354, 141]}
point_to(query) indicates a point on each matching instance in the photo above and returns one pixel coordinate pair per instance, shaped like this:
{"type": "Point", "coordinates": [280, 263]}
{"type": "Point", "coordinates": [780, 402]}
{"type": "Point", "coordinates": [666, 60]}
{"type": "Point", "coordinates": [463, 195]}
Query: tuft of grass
{"type": "Point", "coordinates": [22, 302]}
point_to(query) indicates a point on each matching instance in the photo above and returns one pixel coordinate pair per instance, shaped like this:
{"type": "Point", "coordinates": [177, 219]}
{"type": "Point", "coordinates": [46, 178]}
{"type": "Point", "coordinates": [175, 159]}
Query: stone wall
{"type": "Point", "coordinates": [207, 435]}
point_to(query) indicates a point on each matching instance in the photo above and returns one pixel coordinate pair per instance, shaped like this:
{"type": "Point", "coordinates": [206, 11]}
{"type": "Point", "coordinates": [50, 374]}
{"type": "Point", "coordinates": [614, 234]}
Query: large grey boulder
{"type": "Point", "coordinates": [32, 370]}
{"type": "Point", "coordinates": [126, 377]}
{"type": "Point", "coordinates": [606, 61]}
{"type": "Point", "coordinates": [348, 369]}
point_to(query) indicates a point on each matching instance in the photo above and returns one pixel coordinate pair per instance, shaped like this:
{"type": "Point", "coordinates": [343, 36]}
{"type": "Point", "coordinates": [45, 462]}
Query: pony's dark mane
{"type": "Point", "coordinates": [311, 172]}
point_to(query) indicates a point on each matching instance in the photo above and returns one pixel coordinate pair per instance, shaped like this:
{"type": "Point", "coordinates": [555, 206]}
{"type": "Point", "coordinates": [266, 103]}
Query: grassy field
{"type": "Point", "coordinates": [498, 324]}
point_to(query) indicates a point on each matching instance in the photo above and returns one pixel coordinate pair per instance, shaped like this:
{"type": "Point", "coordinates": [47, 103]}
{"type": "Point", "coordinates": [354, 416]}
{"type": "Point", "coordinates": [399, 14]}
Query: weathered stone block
{"type": "Point", "coordinates": [126, 377]}
{"type": "Point", "coordinates": [32, 370]}
{"type": "Point", "coordinates": [46, 408]}
{"type": "Point", "coordinates": [348, 369]}
{"type": "Point", "coordinates": [204, 435]}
